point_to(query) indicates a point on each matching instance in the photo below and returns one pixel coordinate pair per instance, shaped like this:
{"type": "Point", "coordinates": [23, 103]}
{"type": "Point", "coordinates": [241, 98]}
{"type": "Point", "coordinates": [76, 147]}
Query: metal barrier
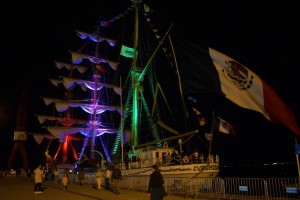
{"type": "Point", "coordinates": [209, 187]}
{"type": "Point", "coordinates": [245, 188]}
{"type": "Point", "coordinates": [214, 187]}
{"type": "Point", "coordinates": [271, 188]}
{"type": "Point", "coordinates": [139, 183]}
{"type": "Point", "coordinates": [283, 188]}
{"type": "Point", "coordinates": [89, 178]}
{"type": "Point", "coordinates": [175, 185]}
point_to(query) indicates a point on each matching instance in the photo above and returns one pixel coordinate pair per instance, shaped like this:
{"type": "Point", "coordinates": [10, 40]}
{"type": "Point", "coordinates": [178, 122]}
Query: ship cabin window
{"type": "Point", "coordinates": [157, 154]}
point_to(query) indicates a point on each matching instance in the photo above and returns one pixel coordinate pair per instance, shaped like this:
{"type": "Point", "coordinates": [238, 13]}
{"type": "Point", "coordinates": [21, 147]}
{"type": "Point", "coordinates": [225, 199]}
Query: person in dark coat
{"type": "Point", "coordinates": [116, 178]}
{"type": "Point", "coordinates": [155, 184]}
{"type": "Point", "coordinates": [81, 176]}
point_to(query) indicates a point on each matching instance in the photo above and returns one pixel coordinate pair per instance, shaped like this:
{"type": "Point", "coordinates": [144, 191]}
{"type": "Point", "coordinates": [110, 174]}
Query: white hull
{"type": "Point", "coordinates": [175, 176]}
{"type": "Point", "coordinates": [186, 170]}
{"type": "Point", "coordinates": [171, 166]}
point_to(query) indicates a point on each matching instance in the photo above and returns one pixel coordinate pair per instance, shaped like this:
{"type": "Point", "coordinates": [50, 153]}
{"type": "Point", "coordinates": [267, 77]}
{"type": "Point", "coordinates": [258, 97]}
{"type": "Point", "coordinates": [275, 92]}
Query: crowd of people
{"type": "Point", "coordinates": [40, 174]}
{"type": "Point", "coordinates": [110, 179]}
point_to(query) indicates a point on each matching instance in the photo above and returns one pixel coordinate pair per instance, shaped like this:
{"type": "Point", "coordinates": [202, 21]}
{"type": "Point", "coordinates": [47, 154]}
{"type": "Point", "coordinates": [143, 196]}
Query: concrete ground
{"type": "Point", "coordinates": [19, 188]}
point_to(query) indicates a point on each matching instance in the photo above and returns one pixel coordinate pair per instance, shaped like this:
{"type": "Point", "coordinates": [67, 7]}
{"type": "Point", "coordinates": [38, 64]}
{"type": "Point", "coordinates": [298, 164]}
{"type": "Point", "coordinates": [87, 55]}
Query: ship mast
{"type": "Point", "coordinates": [135, 82]}
{"type": "Point", "coordinates": [96, 78]}
{"type": "Point", "coordinates": [137, 77]}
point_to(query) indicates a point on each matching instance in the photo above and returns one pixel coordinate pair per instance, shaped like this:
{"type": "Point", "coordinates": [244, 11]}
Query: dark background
{"type": "Point", "coordinates": [264, 36]}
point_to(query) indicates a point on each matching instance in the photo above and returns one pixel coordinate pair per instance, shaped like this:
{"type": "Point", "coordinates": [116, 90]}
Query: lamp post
{"type": "Point", "coordinates": [102, 159]}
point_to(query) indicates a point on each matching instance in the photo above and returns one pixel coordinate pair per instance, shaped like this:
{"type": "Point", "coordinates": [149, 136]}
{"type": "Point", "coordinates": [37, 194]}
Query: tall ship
{"type": "Point", "coordinates": [120, 101]}
{"type": "Point", "coordinates": [155, 127]}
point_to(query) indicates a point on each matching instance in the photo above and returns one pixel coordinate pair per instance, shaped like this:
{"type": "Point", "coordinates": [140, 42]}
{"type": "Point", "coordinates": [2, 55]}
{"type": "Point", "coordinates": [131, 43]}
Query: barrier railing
{"type": "Point", "coordinates": [279, 188]}
{"type": "Point", "coordinates": [214, 187]}
{"type": "Point", "coordinates": [245, 187]}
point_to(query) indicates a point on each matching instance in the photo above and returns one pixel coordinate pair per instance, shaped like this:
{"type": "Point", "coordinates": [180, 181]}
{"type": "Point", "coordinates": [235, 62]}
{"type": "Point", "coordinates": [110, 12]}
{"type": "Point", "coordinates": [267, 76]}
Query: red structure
{"type": "Point", "coordinates": [20, 134]}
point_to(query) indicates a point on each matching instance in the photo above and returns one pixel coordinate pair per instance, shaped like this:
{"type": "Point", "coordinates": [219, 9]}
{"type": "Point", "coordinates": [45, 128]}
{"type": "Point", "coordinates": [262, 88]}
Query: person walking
{"type": "Point", "coordinates": [65, 179]}
{"type": "Point", "coordinates": [99, 179]}
{"type": "Point", "coordinates": [155, 185]}
{"type": "Point", "coordinates": [38, 179]}
{"type": "Point", "coordinates": [107, 178]}
{"type": "Point", "coordinates": [116, 177]}
{"type": "Point", "coordinates": [81, 176]}
{"type": "Point", "coordinates": [56, 174]}
{"type": "Point", "coordinates": [28, 174]}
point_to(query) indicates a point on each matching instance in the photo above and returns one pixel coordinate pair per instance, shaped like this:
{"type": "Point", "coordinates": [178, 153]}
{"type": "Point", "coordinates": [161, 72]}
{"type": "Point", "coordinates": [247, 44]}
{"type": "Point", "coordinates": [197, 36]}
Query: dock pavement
{"type": "Point", "coordinates": [19, 188]}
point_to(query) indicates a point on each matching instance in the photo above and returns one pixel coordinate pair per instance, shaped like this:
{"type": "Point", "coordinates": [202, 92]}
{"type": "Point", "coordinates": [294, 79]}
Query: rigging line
{"type": "Point", "coordinates": [169, 138]}
{"type": "Point", "coordinates": [187, 139]}
{"type": "Point", "coordinates": [159, 122]}
{"type": "Point", "coordinates": [136, 173]}
{"type": "Point", "coordinates": [205, 145]}
{"type": "Point", "coordinates": [196, 175]}
{"type": "Point", "coordinates": [179, 80]}
{"type": "Point", "coordinates": [153, 54]}
{"type": "Point", "coordinates": [158, 87]}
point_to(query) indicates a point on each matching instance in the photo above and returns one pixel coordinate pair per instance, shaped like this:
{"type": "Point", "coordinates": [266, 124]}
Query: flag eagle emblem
{"type": "Point", "coordinates": [237, 74]}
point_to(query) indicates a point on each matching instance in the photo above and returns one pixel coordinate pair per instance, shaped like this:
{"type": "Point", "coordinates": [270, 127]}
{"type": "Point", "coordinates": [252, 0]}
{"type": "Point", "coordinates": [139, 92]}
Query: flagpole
{"type": "Point", "coordinates": [122, 132]}
{"type": "Point", "coordinates": [211, 133]}
{"type": "Point", "coordinates": [210, 141]}
{"type": "Point", "coordinates": [298, 166]}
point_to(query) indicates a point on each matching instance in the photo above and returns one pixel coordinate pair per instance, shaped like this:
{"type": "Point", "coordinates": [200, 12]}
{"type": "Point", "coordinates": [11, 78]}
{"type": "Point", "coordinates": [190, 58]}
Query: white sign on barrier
{"type": "Point", "coordinates": [291, 190]}
{"type": "Point", "coordinates": [243, 188]}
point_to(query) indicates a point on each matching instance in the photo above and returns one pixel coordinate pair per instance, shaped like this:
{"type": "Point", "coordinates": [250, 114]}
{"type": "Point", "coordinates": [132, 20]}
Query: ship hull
{"type": "Point", "coordinates": [177, 176]}
{"type": "Point", "coordinates": [188, 170]}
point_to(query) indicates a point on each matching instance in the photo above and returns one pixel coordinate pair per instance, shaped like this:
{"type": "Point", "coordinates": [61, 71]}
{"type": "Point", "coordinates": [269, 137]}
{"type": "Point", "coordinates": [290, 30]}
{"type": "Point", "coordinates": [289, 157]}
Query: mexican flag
{"type": "Point", "coordinates": [205, 70]}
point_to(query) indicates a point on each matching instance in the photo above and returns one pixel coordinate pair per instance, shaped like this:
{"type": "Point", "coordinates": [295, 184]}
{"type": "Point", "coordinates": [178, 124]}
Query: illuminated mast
{"type": "Point", "coordinates": [135, 82]}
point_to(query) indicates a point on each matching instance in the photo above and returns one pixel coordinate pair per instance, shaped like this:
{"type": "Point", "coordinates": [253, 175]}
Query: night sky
{"type": "Point", "coordinates": [263, 36]}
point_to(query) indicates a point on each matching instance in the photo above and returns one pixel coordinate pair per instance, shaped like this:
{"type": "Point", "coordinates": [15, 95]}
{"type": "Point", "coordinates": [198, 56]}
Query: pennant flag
{"type": "Point", "coordinates": [127, 52]}
{"type": "Point", "coordinates": [104, 23]}
{"type": "Point", "coordinates": [201, 119]}
{"type": "Point", "coordinates": [222, 126]}
{"type": "Point", "coordinates": [205, 70]}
